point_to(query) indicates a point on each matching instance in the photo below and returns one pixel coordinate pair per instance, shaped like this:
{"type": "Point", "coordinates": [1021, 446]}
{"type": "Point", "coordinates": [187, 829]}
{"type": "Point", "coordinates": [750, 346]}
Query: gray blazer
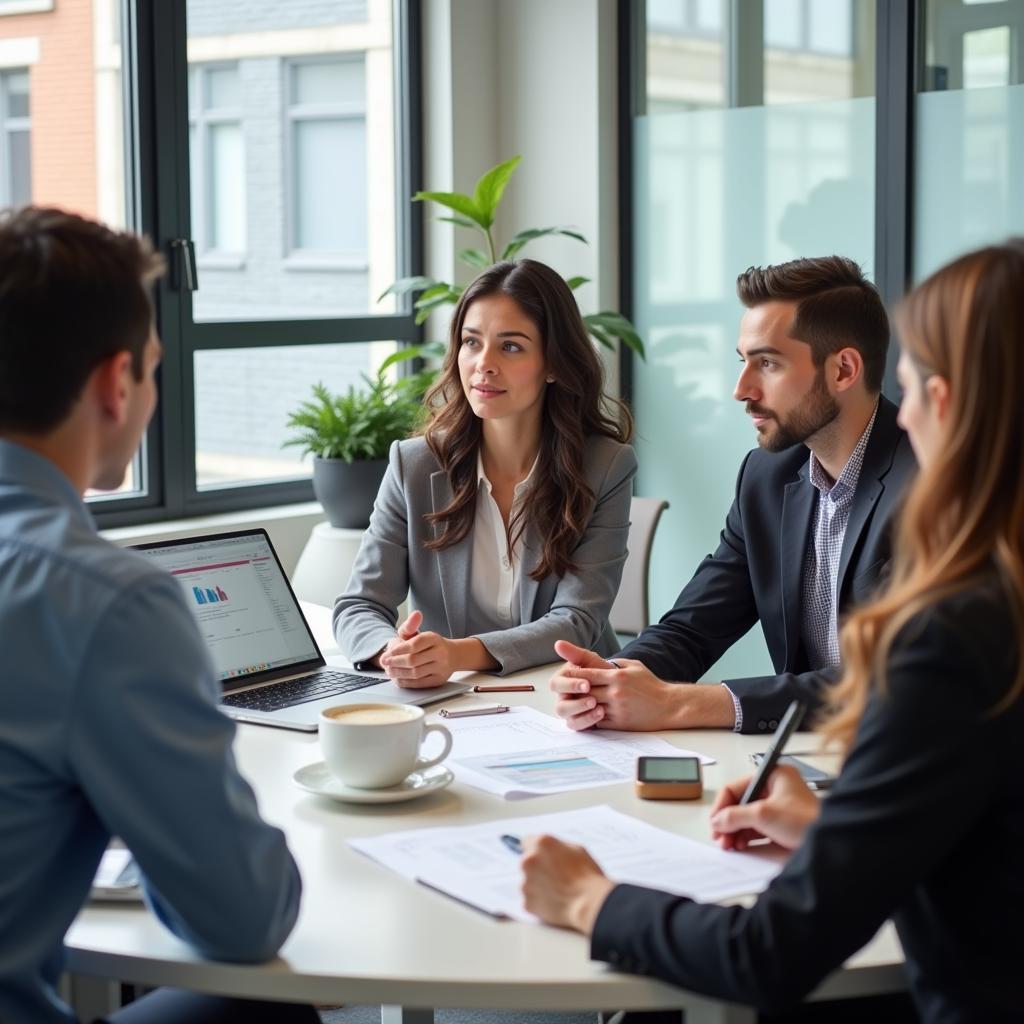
{"type": "Point", "coordinates": [392, 563]}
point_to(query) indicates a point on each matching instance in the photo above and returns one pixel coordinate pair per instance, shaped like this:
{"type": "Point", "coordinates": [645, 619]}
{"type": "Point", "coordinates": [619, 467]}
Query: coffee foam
{"type": "Point", "coordinates": [372, 715]}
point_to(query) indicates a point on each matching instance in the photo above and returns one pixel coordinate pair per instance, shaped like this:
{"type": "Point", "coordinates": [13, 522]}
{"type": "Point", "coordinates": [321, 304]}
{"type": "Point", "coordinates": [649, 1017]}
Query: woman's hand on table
{"type": "Point", "coordinates": [418, 660]}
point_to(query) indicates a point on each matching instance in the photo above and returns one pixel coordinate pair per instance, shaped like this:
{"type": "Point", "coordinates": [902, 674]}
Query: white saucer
{"type": "Point", "coordinates": [316, 778]}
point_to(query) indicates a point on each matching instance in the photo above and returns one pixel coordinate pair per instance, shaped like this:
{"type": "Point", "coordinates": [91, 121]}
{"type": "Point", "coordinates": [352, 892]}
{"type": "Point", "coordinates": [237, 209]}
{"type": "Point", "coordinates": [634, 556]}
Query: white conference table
{"type": "Point", "coordinates": [368, 936]}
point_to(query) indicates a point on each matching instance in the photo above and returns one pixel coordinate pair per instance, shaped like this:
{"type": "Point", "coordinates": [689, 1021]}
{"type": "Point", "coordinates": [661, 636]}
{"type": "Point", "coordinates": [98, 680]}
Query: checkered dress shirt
{"type": "Point", "coordinates": [820, 633]}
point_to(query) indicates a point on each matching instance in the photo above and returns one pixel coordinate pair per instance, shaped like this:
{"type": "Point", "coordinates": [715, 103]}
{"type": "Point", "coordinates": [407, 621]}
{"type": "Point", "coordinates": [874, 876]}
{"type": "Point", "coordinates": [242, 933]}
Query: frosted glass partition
{"type": "Point", "coordinates": [969, 166]}
{"type": "Point", "coordinates": [718, 191]}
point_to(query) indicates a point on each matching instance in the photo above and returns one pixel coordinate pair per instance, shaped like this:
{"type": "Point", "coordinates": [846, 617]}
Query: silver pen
{"type": "Point", "coordinates": [484, 709]}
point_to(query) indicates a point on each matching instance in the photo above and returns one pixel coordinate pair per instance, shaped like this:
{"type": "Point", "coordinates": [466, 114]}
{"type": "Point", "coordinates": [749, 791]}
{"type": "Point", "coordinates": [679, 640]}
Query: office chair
{"type": "Point", "coordinates": [631, 612]}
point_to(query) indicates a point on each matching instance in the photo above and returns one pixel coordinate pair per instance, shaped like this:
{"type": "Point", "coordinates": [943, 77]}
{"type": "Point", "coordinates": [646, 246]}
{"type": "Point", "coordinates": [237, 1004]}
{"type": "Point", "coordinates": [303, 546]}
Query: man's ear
{"type": "Point", "coordinates": [847, 368]}
{"type": "Point", "coordinates": [111, 385]}
{"type": "Point", "coordinates": [937, 390]}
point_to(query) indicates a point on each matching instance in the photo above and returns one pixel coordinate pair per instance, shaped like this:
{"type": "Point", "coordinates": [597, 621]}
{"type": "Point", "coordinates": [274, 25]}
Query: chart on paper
{"type": "Point", "coordinates": [527, 753]}
{"type": "Point", "coordinates": [543, 770]}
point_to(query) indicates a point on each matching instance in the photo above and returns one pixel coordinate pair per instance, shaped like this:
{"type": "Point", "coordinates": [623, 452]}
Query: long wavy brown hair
{"type": "Point", "coordinates": [963, 517]}
{"type": "Point", "coordinates": [559, 501]}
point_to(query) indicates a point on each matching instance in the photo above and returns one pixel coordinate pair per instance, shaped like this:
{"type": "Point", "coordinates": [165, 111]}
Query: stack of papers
{"type": "Point", "coordinates": [472, 864]}
{"type": "Point", "coordinates": [525, 753]}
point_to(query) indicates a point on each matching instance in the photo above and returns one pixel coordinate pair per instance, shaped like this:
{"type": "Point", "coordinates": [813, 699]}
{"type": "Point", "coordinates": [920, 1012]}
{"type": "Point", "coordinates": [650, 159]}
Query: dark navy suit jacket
{"type": "Point", "coordinates": [756, 574]}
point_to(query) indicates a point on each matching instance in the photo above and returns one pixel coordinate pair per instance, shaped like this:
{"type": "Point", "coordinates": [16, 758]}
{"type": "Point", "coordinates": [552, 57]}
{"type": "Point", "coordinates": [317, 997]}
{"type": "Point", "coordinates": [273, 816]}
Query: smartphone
{"type": "Point", "coordinates": [669, 778]}
{"type": "Point", "coordinates": [816, 778]}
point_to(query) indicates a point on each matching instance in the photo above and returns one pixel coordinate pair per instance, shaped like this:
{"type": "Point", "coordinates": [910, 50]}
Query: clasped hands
{"type": "Point", "coordinates": [593, 692]}
{"type": "Point", "coordinates": [417, 660]}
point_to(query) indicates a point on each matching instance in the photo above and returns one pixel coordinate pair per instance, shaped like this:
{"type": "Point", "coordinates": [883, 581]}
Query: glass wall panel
{"type": "Point", "coordinates": [244, 396]}
{"type": "Point", "coordinates": [758, 147]}
{"type": "Point", "coordinates": [969, 154]}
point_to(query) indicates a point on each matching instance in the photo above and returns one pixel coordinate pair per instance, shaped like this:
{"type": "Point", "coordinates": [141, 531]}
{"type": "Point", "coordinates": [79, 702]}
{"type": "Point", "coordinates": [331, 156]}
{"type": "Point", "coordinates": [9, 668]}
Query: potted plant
{"type": "Point", "coordinates": [349, 435]}
{"type": "Point", "coordinates": [477, 212]}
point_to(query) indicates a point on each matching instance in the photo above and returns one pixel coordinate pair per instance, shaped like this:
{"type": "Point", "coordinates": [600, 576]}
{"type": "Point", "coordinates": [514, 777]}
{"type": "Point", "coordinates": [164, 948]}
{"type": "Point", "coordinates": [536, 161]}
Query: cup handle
{"type": "Point", "coordinates": [424, 762]}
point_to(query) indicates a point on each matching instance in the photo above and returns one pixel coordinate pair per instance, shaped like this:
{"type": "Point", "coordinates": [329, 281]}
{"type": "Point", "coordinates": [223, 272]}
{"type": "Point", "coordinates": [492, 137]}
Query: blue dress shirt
{"type": "Point", "coordinates": [109, 726]}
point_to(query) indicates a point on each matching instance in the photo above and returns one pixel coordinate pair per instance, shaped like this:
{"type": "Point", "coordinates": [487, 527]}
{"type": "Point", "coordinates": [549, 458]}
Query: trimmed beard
{"type": "Point", "coordinates": [816, 410]}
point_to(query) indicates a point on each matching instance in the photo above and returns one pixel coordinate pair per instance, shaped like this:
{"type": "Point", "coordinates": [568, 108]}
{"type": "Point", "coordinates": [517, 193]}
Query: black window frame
{"type": "Point", "coordinates": [156, 126]}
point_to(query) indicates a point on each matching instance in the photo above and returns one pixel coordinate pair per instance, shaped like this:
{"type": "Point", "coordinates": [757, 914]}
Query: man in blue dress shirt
{"type": "Point", "coordinates": [108, 702]}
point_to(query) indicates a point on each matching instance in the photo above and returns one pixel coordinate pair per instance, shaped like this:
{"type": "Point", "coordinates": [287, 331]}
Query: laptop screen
{"type": "Point", "coordinates": [242, 603]}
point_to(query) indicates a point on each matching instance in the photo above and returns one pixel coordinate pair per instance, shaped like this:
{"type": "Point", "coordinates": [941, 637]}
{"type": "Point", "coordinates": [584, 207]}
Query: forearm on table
{"type": "Point", "coordinates": [701, 706]}
{"type": "Point", "coordinates": [470, 655]}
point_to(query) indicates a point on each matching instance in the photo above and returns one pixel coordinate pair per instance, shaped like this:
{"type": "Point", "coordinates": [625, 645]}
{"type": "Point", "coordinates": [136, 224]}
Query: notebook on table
{"type": "Point", "coordinates": [271, 669]}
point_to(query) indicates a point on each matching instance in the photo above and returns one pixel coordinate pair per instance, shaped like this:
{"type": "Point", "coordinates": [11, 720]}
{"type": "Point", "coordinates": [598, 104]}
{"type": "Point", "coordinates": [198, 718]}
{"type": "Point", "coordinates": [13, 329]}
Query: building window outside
{"type": "Point", "coordinates": [217, 161]}
{"type": "Point", "coordinates": [287, 105]}
{"type": "Point", "coordinates": [16, 177]}
{"type": "Point", "coordinates": [808, 26]}
{"type": "Point", "coordinates": [327, 179]}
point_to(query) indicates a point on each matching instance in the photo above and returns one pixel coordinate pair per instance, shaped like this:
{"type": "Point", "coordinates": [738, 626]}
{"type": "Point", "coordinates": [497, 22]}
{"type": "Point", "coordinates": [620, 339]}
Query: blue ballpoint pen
{"type": "Point", "coordinates": [514, 843]}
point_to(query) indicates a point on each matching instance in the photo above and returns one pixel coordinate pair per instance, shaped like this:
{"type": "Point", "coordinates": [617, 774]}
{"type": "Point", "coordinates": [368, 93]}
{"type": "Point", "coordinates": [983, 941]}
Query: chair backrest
{"type": "Point", "coordinates": [630, 612]}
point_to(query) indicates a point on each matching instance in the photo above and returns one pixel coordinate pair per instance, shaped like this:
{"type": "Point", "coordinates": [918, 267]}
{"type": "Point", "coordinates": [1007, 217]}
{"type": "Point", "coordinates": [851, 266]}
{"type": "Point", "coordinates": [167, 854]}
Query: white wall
{"type": "Point", "coordinates": [537, 78]}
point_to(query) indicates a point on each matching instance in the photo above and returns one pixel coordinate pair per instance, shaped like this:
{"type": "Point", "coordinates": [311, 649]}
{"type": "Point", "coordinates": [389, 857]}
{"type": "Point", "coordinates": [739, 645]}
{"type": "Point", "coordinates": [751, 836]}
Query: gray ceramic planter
{"type": "Point", "coordinates": [347, 489]}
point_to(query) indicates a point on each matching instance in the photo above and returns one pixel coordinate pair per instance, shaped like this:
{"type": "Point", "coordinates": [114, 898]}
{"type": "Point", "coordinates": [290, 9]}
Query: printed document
{"type": "Point", "coordinates": [524, 752]}
{"type": "Point", "coordinates": [473, 864]}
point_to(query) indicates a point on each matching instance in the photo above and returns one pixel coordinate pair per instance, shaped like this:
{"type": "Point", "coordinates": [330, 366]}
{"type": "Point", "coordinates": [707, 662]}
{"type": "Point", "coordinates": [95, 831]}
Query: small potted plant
{"type": "Point", "coordinates": [349, 435]}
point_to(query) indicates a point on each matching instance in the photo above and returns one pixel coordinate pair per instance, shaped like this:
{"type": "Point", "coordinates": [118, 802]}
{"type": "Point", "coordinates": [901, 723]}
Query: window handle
{"type": "Point", "coordinates": [185, 277]}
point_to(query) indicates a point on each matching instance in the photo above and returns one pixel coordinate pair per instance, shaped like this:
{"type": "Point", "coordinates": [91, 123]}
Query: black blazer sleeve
{"type": "Point", "coordinates": [764, 699]}
{"type": "Point", "coordinates": [917, 825]}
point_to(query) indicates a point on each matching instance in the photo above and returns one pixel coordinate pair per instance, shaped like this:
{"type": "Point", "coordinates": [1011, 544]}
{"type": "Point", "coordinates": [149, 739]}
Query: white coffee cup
{"type": "Point", "coordinates": [372, 746]}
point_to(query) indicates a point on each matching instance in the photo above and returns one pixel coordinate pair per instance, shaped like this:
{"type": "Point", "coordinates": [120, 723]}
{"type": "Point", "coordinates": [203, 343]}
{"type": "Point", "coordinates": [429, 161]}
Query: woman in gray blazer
{"type": "Point", "coordinates": [506, 521]}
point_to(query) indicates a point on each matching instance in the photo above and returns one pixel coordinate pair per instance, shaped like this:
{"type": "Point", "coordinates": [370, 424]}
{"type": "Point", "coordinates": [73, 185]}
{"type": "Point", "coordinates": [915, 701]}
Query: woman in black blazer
{"type": "Point", "coordinates": [926, 822]}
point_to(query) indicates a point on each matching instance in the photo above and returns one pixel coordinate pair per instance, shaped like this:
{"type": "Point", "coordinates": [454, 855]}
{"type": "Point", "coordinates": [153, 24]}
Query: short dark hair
{"type": "Point", "coordinates": [73, 293]}
{"type": "Point", "coordinates": [836, 306]}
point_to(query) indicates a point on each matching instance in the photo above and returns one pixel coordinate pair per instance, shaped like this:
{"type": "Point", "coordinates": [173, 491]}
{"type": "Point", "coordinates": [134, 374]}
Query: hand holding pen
{"type": "Point", "coordinates": [774, 803]}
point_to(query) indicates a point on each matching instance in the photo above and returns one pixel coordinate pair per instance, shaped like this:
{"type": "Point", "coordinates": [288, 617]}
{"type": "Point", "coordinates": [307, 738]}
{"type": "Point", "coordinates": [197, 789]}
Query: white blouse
{"type": "Point", "coordinates": [495, 581]}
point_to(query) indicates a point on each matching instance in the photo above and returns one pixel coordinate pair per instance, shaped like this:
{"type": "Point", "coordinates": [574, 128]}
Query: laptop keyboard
{"type": "Point", "coordinates": [327, 683]}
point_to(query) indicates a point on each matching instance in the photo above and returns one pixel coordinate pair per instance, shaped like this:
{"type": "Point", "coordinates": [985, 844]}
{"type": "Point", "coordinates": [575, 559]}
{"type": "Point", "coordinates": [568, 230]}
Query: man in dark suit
{"type": "Point", "coordinates": [808, 534]}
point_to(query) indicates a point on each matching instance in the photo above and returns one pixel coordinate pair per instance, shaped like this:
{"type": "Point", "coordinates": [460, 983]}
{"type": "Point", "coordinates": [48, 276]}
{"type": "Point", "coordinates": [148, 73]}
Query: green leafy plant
{"type": "Point", "coordinates": [477, 213]}
{"type": "Point", "coordinates": [361, 423]}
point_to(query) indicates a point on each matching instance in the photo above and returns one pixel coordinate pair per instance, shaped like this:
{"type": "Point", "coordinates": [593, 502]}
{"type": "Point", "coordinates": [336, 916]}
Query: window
{"type": "Point", "coordinates": [62, 124]}
{"type": "Point", "coordinates": [218, 162]}
{"type": "Point", "coordinates": [327, 147]}
{"type": "Point", "coordinates": [812, 26]}
{"type": "Point", "coordinates": [16, 180]}
{"type": "Point", "coordinates": [969, 123]}
{"type": "Point", "coordinates": [252, 176]}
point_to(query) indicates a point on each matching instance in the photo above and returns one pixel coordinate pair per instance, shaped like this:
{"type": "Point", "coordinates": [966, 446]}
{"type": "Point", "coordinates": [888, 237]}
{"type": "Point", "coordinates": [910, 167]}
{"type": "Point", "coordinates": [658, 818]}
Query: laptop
{"type": "Point", "coordinates": [271, 670]}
